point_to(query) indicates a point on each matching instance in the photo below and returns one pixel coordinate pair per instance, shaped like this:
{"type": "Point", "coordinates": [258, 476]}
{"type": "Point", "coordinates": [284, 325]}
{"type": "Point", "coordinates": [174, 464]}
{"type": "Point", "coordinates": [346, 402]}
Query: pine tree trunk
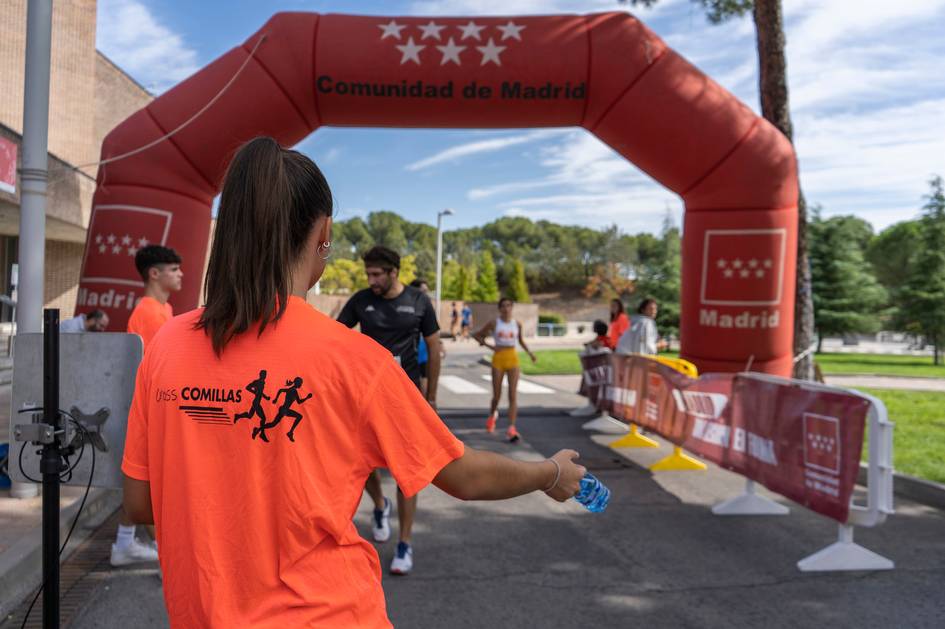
{"type": "Point", "coordinates": [775, 108]}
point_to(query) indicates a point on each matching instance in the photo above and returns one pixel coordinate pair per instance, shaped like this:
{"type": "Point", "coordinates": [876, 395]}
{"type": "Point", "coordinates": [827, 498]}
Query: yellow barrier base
{"type": "Point", "coordinates": [634, 439]}
{"type": "Point", "coordinates": [678, 461]}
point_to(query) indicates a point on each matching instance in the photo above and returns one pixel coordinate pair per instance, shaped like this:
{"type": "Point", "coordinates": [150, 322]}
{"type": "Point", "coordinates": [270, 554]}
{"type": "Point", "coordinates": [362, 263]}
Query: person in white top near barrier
{"type": "Point", "coordinates": [507, 333]}
{"type": "Point", "coordinates": [642, 337]}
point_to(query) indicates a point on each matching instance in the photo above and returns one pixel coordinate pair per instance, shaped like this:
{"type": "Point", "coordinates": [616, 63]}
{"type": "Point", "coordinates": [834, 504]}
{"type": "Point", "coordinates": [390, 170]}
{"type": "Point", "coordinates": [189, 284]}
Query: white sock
{"type": "Point", "coordinates": [126, 535]}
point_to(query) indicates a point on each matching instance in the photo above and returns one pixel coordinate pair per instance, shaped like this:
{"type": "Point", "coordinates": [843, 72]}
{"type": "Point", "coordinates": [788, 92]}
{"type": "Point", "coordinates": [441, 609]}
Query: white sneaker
{"type": "Point", "coordinates": [403, 559]}
{"type": "Point", "coordinates": [135, 552]}
{"type": "Point", "coordinates": [381, 526]}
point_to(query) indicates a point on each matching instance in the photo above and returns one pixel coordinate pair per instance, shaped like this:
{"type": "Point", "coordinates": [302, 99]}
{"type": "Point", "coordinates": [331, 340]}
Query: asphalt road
{"type": "Point", "coordinates": [656, 558]}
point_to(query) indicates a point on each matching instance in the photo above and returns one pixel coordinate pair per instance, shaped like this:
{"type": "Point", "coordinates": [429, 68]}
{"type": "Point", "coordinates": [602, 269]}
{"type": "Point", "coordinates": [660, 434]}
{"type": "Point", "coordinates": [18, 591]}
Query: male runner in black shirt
{"type": "Point", "coordinates": [395, 316]}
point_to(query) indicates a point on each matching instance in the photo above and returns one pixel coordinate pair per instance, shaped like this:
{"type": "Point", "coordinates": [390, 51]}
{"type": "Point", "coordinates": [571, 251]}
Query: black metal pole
{"type": "Point", "coordinates": [50, 466]}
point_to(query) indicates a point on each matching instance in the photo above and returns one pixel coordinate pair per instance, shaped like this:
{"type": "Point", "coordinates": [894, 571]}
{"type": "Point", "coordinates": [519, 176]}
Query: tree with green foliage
{"type": "Point", "coordinates": [343, 276]}
{"type": "Point", "coordinates": [847, 296]}
{"type": "Point", "coordinates": [658, 276]}
{"type": "Point", "coordinates": [922, 298]}
{"type": "Point", "coordinates": [461, 283]}
{"type": "Point", "coordinates": [487, 286]}
{"type": "Point", "coordinates": [387, 229]}
{"type": "Point", "coordinates": [408, 268]}
{"type": "Point", "coordinates": [892, 254]}
{"type": "Point", "coordinates": [518, 287]}
{"type": "Point", "coordinates": [775, 107]}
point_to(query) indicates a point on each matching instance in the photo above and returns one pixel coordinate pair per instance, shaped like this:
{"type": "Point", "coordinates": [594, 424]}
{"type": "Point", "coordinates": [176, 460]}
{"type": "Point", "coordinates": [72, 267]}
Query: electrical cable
{"type": "Point", "coordinates": [179, 128]}
{"type": "Point", "coordinates": [78, 514]}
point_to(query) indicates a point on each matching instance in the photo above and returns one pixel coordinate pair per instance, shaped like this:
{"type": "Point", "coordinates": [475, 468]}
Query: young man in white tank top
{"type": "Point", "coordinates": [506, 332]}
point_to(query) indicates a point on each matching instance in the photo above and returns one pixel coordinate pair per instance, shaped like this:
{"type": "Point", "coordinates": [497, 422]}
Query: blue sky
{"type": "Point", "coordinates": [867, 96]}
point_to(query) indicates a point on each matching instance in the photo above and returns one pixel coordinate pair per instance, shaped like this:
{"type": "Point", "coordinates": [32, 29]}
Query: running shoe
{"type": "Point", "coordinates": [490, 423]}
{"type": "Point", "coordinates": [403, 560]}
{"type": "Point", "coordinates": [132, 553]}
{"type": "Point", "coordinates": [381, 526]}
{"type": "Point", "coordinates": [512, 434]}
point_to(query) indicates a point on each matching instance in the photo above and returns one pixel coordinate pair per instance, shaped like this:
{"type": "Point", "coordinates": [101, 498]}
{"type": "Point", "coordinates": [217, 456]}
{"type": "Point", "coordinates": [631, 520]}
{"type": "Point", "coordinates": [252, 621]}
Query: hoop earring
{"type": "Point", "coordinates": [325, 246]}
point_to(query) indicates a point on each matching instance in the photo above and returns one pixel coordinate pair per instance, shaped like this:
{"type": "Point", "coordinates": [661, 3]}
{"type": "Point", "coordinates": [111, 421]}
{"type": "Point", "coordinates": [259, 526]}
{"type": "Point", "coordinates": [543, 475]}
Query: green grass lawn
{"type": "Point", "coordinates": [558, 361]}
{"type": "Point", "coordinates": [565, 361]}
{"type": "Point", "coordinates": [919, 435]}
{"type": "Point", "coordinates": [880, 364]}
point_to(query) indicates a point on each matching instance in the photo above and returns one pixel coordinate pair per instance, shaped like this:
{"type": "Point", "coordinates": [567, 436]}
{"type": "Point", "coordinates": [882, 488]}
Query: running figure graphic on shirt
{"type": "Point", "coordinates": [258, 389]}
{"type": "Point", "coordinates": [291, 397]}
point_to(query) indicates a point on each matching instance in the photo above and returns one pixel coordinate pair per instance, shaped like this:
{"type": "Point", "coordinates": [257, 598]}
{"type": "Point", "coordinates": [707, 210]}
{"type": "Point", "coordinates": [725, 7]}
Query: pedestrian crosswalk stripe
{"type": "Point", "coordinates": [524, 386]}
{"type": "Point", "coordinates": [455, 384]}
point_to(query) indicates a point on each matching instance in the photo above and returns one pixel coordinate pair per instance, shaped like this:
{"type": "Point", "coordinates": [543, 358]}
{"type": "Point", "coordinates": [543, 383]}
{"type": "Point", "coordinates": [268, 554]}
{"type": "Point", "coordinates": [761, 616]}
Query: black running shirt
{"type": "Point", "coordinates": [397, 323]}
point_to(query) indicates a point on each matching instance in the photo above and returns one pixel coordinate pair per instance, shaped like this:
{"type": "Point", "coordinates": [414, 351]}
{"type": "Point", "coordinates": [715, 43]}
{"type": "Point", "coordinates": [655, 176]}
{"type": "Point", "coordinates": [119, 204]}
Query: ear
{"type": "Point", "coordinates": [154, 272]}
{"type": "Point", "coordinates": [324, 234]}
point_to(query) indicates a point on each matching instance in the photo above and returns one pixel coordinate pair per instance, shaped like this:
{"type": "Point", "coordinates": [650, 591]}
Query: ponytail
{"type": "Point", "coordinates": [270, 201]}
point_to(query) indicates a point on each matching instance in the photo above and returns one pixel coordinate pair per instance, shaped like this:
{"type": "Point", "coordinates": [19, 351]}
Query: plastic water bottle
{"type": "Point", "coordinates": [594, 495]}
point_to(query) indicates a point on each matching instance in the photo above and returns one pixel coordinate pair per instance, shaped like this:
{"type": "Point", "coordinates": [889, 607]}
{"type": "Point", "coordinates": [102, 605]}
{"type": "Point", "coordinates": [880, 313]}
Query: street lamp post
{"type": "Point", "coordinates": [439, 256]}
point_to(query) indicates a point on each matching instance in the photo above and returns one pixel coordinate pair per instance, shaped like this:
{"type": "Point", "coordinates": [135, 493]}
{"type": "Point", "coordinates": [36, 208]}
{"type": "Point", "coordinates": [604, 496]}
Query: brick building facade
{"type": "Point", "coordinates": [88, 96]}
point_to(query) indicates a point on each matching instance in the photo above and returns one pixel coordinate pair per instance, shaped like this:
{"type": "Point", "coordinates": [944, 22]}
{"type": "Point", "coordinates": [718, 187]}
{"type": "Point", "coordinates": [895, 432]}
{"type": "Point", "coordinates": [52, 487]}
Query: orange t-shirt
{"type": "Point", "coordinates": [260, 534]}
{"type": "Point", "coordinates": [617, 327]}
{"type": "Point", "coordinates": [148, 317]}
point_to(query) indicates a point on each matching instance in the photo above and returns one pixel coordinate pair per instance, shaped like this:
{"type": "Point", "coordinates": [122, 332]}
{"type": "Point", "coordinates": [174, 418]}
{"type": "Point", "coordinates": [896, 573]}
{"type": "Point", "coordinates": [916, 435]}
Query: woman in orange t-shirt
{"type": "Point", "coordinates": [619, 323]}
{"type": "Point", "coordinates": [254, 518]}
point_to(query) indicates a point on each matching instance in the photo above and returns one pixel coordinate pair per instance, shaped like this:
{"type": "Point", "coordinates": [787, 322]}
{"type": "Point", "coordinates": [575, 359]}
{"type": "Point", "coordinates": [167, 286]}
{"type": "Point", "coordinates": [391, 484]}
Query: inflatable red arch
{"type": "Point", "coordinates": [605, 72]}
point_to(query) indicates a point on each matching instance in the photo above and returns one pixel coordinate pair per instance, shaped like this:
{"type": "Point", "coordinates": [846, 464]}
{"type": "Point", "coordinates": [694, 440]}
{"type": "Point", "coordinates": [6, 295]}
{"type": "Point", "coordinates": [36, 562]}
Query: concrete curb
{"type": "Point", "coordinates": [21, 566]}
{"type": "Point", "coordinates": [919, 490]}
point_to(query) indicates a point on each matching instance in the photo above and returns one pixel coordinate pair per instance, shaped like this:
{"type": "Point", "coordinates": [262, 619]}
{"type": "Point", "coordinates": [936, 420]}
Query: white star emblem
{"type": "Point", "coordinates": [728, 272]}
{"type": "Point", "coordinates": [142, 242]}
{"type": "Point", "coordinates": [471, 30]}
{"type": "Point", "coordinates": [431, 30]}
{"type": "Point", "coordinates": [753, 263]}
{"type": "Point", "coordinates": [450, 52]}
{"type": "Point", "coordinates": [132, 251]}
{"type": "Point", "coordinates": [98, 239]}
{"type": "Point", "coordinates": [392, 29]}
{"type": "Point", "coordinates": [737, 263]}
{"type": "Point", "coordinates": [511, 30]}
{"type": "Point", "coordinates": [102, 248]}
{"type": "Point", "coordinates": [744, 272]}
{"type": "Point", "coordinates": [490, 52]}
{"type": "Point", "coordinates": [760, 273]}
{"type": "Point", "coordinates": [111, 239]}
{"type": "Point", "coordinates": [126, 240]}
{"type": "Point", "coordinates": [116, 249]}
{"type": "Point", "coordinates": [411, 51]}
{"type": "Point", "coordinates": [721, 263]}
{"type": "Point", "coordinates": [767, 264]}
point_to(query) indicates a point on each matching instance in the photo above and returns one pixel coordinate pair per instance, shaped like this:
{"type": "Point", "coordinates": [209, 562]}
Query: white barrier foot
{"type": "Point", "coordinates": [588, 410]}
{"type": "Point", "coordinates": [844, 555]}
{"type": "Point", "coordinates": [750, 503]}
{"type": "Point", "coordinates": [606, 423]}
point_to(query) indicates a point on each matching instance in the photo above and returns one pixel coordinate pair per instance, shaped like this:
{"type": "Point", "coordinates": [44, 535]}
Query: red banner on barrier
{"type": "Point", "coordinates": [801, 442]}
{"type": "Point", "coordinates": [648, 393]}
{"type": "Point", "coordinates": [596, 378]}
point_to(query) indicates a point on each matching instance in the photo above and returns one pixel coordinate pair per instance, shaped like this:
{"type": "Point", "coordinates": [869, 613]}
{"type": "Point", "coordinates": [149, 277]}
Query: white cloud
{"type": "Point", "coordinates": [586, 183]}
{"type": "Point", "coordinates": [131, 36]}
{"type": "Point", "coordinates": [478, 147]}
{"type": "Point", "coordinates": [520, 7]}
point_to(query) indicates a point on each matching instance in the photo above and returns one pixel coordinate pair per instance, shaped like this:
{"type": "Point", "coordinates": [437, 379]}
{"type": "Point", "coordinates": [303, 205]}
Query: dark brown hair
{"type": "Point", "coordinates": [271, 199]}
{"type": "Point", "coordinates": [382, 257]}
{"type": "Point", "coordinates": [643, 304]}
{"type": "Point", "coordinates": [154, 255]}
{"type": "Point", "coordinates": [620, 310]}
